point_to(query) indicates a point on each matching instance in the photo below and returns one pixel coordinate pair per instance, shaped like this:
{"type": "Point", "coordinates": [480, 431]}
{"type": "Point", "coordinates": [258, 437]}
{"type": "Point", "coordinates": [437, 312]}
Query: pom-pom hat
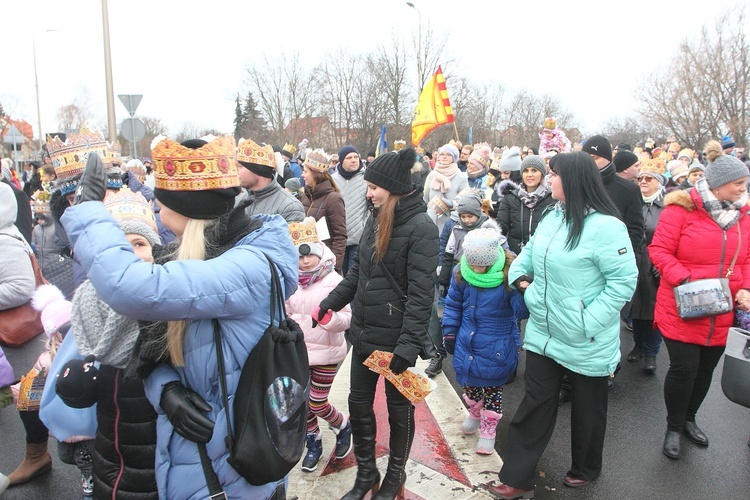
{"type": "Point", "coordinates": [392, 171]}
{"type": "Point", "coordinates": [54, 309]}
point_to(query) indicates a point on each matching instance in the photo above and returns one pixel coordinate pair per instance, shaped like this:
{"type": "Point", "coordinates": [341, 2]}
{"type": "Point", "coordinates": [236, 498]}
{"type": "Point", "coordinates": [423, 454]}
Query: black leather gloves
{"type": "Point", "coordinates": [93, 183]}
{"type": "Point", "coordinates": [398, 364]}
{"type": "Point", "coordinates": [184, 409]}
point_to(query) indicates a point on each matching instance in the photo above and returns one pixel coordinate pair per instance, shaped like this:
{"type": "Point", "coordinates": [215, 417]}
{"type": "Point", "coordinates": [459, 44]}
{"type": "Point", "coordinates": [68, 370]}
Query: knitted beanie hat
{"type": "Point", "coordinates": [725, 169]}
{"type": "Point", "coordinates": [534, 161]}
{"type": "Point", "coordinates": [677, 169]}
{"type": "Point", "coordinates": [481, 247]}
{"type": "Point", "coordinates": [624, 160]}
{"type": "Point", "coordinates": [133, 214]}
{"type": "Point", "coordinates": [346, 150]}
{"type": "Point", "coordinates": [450, 149]}
{"type": "Point", "coordinates": [76, 383]}
{"type": "Point", "coordinates": [470, 203]}
{"type": "Point", "coordinates": [696, 165]}
{"type": "Point", "coordinates": [479, 159]}
{"type": "Point", "coordinates": [598, 145]}
{"type": "Point", "coordinates": [50, 301]}
{"type": "Point", "coordinates": [511, 160]}
{"type": "Point", "coordinates": [392, 171]}
{"type": "Point", "coordinates": [727, 142]}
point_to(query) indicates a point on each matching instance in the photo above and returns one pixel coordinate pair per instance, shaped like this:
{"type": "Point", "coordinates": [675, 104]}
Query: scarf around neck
{"type": "Point", "coordinates": [307, 278]}
{"type": "Point", "coordinates": [491, 279]}
{"type": "Point", "coordinates": [531, 199]}
{"type": "Point", "coordinates": [348, 175]}
{"type": "Point", "coordinates": [724, 213]}
{"type": "Point", "coordinates": [442, 176]}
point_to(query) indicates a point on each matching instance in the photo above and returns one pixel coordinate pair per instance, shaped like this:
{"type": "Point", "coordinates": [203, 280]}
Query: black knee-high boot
{"type": "Point", "coordinates": [362, 418]}
{"type": "Point", "coordinates": [401, 420]}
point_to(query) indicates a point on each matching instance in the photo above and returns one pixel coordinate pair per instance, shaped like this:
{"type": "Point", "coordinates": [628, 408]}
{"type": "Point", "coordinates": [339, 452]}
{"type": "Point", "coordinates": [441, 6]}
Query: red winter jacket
{"type": "Point", "coordinates": [689, 244]}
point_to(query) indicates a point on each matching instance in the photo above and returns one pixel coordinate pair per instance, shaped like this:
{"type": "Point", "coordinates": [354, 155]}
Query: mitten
{"type": "Point", "coordinates": [322, 317]}
{"type": "Point", "coordinates": [398, 364]}
{"type": "Point", "coordinates": [93, 183]}
{"type": "Point", "coordinates": [76, 383]}
{"type": "Point", "coordinates": [185, 410]}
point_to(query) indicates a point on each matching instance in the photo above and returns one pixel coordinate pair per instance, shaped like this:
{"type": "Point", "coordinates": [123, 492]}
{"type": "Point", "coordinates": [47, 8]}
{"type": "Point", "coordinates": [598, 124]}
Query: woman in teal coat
{"type": "Point", "coordinates": [576, 273]}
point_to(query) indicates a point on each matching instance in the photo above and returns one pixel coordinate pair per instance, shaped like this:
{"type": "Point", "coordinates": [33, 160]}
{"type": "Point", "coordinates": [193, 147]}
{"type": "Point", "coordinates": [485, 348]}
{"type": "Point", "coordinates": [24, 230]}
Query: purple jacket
{"type": "Point", "coordinates": [6, 371]}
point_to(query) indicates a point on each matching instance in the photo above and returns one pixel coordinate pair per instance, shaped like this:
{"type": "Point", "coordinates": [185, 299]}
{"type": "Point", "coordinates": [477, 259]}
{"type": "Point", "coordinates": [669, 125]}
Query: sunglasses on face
{"type": "Point", "coordinates": [646, 178]}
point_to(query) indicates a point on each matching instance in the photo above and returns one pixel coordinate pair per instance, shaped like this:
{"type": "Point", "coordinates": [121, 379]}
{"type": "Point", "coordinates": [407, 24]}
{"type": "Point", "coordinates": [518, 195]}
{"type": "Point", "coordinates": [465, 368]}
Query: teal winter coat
{"type": "Point", "coordinates": [575, 297]}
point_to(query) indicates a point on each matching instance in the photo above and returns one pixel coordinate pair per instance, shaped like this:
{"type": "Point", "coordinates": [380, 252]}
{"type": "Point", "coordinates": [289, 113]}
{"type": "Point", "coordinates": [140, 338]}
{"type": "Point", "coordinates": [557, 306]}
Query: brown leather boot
{"type": "Point", "coordinates": [37, 461]}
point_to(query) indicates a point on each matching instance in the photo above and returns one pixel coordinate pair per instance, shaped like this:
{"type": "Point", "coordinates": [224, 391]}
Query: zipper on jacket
{"type": "Point", "coordinates": [531, 220]}
{"type": "Point", "coordinates": [546, 307]}
{"type": "Point", "coordinates": [712, 319]}
{"type": "Point", "coordinates": [117, 436]}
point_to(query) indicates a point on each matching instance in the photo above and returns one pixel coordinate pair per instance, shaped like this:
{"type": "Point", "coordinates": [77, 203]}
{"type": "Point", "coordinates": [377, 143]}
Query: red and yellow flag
{"type": "Point", "coordinates": [433, 108]}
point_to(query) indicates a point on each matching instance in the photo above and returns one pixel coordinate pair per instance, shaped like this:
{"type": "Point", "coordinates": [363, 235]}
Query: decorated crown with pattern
{"type": "Point", "coordinates": [289, 148]}
{"type": "Point", "coordinates": [304, 232]}
{"type": "Point", "coordinates": [179, 168]}
{"type": "Point", "coordinates": [399, 145]}
{"type": "Point", "coordinates": [128, 206]}
{"type": "Point", "coordinates": [69, 157]}
{"type": "Point", "coordinates": [40, 206]}
{"type": "Point", "coordinates": [317, 160]}
{"type": "Point", "coordinates": [250, 152]}
{"type": "Point", "coordinates": [550, 123]}
{"type": "Point", "coordinates": [653, 166]}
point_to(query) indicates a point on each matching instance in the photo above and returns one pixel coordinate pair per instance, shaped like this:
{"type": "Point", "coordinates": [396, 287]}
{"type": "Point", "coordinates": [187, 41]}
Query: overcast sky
{"type": "Point", "coordinates": [187, 57]}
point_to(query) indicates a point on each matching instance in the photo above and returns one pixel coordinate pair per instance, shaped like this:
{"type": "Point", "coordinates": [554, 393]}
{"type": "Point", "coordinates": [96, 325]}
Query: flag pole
{"type": "Point", "coordinates": [455, 129]}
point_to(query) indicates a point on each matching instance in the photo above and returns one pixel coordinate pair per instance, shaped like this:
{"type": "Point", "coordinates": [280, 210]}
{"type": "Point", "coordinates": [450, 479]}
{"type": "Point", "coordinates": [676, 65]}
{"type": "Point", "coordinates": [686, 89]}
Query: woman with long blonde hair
{"type": "Point", "coordinates": [397, 257]}
{"type": "Point", "coordinates": [217, 269]}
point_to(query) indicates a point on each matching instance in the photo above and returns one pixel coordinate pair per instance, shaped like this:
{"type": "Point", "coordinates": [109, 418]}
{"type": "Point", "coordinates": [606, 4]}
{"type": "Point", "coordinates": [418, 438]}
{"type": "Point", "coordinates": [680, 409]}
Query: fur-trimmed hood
{"type": "Point", "coordinates": [506, 186]}
{"type": "Point", "coordinates": [680, 198]}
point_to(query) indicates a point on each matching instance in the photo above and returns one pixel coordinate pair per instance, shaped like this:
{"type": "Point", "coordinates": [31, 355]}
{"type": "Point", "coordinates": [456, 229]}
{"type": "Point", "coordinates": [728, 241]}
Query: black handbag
{"type": "Point", "coordinates": [60, 274]}
{"type": "Point", "coordinates": [270, 404]}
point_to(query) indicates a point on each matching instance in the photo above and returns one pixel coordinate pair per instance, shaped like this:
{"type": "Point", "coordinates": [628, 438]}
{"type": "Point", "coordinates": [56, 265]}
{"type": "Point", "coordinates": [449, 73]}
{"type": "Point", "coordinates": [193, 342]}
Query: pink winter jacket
{"type": "Point", "coordinates": [326, 344]}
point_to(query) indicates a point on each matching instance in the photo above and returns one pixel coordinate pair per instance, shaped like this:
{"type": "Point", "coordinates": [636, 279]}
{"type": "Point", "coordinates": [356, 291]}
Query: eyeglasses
{"type": "Point", "coordinates": [646, 178]}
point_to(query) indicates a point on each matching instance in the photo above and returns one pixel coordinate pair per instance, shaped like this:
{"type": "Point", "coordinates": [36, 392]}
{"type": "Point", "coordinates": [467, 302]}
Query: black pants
{"type": "Point", "coordinates": [532, 425]}
{"type": "Point", "coordinates": [691, 367]}
{"type": "Point", "coordinates": [363, 382]}
{"type": "Point", "coordinates": [36, 431]}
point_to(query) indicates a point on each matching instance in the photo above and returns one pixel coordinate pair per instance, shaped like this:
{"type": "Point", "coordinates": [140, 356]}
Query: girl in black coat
{"type": "Point", "coordinates": [399, 240]}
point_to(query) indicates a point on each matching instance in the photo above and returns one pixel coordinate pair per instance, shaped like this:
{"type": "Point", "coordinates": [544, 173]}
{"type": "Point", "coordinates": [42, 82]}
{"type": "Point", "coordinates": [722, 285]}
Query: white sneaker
{"type": "Point", "coordinates": [4, 482]}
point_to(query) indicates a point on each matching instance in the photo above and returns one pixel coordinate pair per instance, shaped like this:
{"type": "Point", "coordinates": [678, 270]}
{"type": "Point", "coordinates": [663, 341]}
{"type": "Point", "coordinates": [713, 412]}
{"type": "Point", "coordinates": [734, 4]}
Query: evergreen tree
{"type": "Point", "coordinates": [254, 124]}
{"type": "Point", "coordinates": [239, 119]}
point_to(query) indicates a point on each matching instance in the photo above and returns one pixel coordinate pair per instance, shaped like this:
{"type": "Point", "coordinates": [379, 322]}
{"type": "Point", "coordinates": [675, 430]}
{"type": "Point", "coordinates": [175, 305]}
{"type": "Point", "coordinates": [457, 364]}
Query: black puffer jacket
{"type": "Point", "coordinates": [125, 443]}
{"type": "Point", "coordinates": [517, 221]}
{"type": "Point", "coordinates": [627, 198]}
{"type": "Point", "coordinates": [380, 320]}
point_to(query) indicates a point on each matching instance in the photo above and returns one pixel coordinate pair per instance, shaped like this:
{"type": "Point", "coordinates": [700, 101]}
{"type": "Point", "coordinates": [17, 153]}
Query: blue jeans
{"type": "Point", "coordinates": [349, 254]}
{"type": "Point", "coordinates": [646, 336]}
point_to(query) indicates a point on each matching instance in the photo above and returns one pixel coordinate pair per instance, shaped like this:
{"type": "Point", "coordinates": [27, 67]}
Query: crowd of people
{"type": "Point", "coordinates": [542, 250]}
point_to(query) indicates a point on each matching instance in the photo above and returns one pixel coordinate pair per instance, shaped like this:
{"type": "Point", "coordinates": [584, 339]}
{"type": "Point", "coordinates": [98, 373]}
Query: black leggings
{"type": "Point", "coordinates": [691, 368]}
{"type": "Point", "coordinates": [36, 431]}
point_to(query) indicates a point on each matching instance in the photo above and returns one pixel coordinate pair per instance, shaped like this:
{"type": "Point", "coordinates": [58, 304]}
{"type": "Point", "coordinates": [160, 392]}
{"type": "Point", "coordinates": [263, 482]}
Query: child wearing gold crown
{"type": "Point", "coordinates": [326, 345]}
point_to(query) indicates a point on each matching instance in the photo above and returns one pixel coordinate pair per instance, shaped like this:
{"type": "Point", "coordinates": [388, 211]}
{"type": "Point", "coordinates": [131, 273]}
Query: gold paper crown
{"type": "Point", "coordinates": [289, 148]}
{"type": "Point", "coordinates": [250, 152]}
{"type": "Point", "coordinates": [304, 232]}
{"type": "Point", "coordinates": [653, 166]}
{"type": "Point", "coordinates": [413, 386]}
{"type": "Point", "coordinates": [686, 152]}
{"type": "Point", "coordinates": [69, 157]}
{"type": "Point", "coordinates": [399, 145]}
{"type": "Point", "coordinates": [317, 160]}
{"type": "Point", "coordinates": [550, 123]}
{"type": "Point", "coordinates": [125, 205]}
{"type": "Point", "coordinates": [40, 206]}
{"type": "Point", "coordinates": [179, 168]}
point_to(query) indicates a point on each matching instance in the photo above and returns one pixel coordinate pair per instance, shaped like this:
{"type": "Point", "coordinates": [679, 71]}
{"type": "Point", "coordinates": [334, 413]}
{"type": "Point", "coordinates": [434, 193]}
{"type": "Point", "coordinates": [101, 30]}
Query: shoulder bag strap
{"type": "Point", "coordinates": [393, 282]}
{"type": "Point", "coordinates": [737, 252]}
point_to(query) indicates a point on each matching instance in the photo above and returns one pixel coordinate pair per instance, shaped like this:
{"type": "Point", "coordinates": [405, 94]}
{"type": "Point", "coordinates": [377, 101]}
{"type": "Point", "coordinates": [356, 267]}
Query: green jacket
{"type": "Point", "coordinates": [576, 295]}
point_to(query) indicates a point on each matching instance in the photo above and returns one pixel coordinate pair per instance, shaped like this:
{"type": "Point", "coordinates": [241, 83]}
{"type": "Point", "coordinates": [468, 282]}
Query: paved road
{"type": "Point", "coordinates": [634, 466]}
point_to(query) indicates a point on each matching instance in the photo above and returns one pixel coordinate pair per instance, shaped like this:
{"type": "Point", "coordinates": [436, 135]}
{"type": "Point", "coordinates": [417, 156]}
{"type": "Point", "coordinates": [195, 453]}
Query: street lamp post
{"type": "Point", "coordinates": [419, 46]}
{"type": "Point", "coordinates": [36, 84]}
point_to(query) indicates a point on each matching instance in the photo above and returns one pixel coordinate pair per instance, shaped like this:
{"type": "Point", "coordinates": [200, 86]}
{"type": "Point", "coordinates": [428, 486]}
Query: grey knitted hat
{"type": "Point", "coordinates": [481, 247]}
{"type": "Point", "coordinates": [511, 160]}
{"type": "Point", "coordinates": [534, 161]}
{"type": "Point", "coordinates": [725, 169]}
{"type": "Point", "coordinates": [470, 203]}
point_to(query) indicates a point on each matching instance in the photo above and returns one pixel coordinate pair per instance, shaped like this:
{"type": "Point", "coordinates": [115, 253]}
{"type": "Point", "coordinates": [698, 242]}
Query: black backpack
{"type": "Point", "coordinates": [270, 405]}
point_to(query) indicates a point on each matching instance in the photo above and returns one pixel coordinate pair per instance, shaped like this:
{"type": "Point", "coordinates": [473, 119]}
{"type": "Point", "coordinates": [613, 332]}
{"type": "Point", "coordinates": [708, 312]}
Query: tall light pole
{"type": "Point", "coordinates": [419, 46]}
{"type": "Point", "coordinates": [36, 84]}
{"type": "Point", "coordinates": [111, 124]}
